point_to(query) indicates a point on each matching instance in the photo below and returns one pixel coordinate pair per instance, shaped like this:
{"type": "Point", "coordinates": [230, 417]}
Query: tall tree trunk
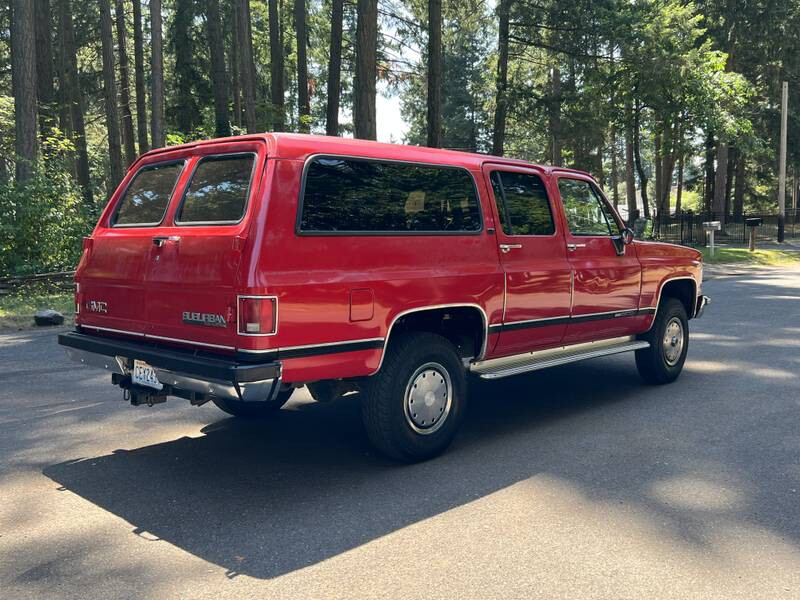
{"type": "Point", "coordinates": [124, 85]}
{"type": "Point", "coordinates": [23, 76]}
{"type": "Point", "coordinates": [659, 188]}
{"type": "Point", "coordinates": [138, 67]}
{"type": "Point", "coordinates": [501, 84]}
{"type": "Point", "coordinates": [156, 75]}
{"type": "Point", "coordinates": [679, 191]}
{"type": "Point", "coordinates": [708, 197]}
{"type": "Point", "coordinates": [630, 181]}
{"type": "Point", "coordinates": [303, 102]}
{"type": "Point", "coordinates": [185, 107]}
{"type": "Point", "coordinates": [334, 69]}
{"type": "Point", "coordinates": [638, 159]}
{"type": "Point", "coordinates": [720, 182]}
{"type": "Point", "coordinates": [247, 66]}
{"type": "Point", "coordinates": [110, 96]}
{"type": "Point", "coordinates": [236, 84]}
{"type": "Point", "coordinates": [366, 70]}
{"type": "Point", "coordinates": [614, 170]}
{"type": "Point", "coordinates": [434, 99]}
{"type": "Point", "coordinates": [554, 114]}
{"type": "Point", "coordinates": [276, 67]}
{"type": "Point", "coordinates": [62, 97]}
{"type": "Point", "coordinates": [74, 97]}
{"type": "Point", "coordinates": [44, 67]}
{"type": "Point", "coordinates": [733, 157]}
{"type": "Point", "coordinates": [738, 195]}
{"type": "Point", "coordinates": [219, 79]}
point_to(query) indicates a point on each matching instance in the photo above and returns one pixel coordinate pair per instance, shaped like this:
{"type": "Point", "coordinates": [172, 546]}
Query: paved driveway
{"type": "Point", "coordinates": [577, 482]}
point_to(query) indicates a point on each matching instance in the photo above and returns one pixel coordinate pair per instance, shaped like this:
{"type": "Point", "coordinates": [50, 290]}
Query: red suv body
{"type": "Point", "coordinates": [236, 270]}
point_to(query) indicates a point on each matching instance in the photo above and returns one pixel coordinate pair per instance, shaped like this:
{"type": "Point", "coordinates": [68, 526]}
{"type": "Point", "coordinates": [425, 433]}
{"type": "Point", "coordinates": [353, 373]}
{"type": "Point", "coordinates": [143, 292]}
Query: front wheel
{"type": "Point", "coordinates": [663, 361]}
{"type": "Point", "coordinates": [253, 410]}
{"type": "Point", "coordinates": [413, 406]}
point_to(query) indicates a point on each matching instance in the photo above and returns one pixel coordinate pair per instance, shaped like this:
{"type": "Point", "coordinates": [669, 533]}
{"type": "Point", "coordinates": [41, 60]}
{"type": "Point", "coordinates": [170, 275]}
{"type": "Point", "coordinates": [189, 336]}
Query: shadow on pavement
{"type": "Point", "coordinates": [267, 498]}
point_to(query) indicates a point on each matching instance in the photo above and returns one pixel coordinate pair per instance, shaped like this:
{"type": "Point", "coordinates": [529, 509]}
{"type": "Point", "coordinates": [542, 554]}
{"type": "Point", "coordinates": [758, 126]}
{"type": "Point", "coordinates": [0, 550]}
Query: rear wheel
{"type": "Point", "coordinates": [413, 406]}
{"type": "Point", "coordinates": [253, 410]}
{"type": "Point", "coordinates": [663, 361]}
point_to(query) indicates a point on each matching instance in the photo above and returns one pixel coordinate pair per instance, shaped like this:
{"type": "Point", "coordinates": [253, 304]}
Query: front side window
{"type": "Point", "coordinates": [522, 203]}
{"type": "Point", "coordinates": [586, 213]}
{"type": "Point", "coordinates": [148, 194]}
{"type": "Point", "coordinates": [345, 195]}
{"type": "Point", "coordinates": [218, 190]}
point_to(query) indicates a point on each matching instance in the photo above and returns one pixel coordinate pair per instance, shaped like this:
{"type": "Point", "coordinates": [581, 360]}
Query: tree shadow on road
{"type": "Point", "coordinates": [270, 497]}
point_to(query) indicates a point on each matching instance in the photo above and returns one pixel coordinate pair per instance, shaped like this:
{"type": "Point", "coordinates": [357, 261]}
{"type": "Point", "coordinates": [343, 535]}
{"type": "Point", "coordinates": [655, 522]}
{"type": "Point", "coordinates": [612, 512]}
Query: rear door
{"type": "Point", "coordinates": [192, 274]}
{"type": "Point", "coordinates": [533, 256]}
{"type": "Point", "coordinates": [607, 274]}
{"type": "Point", "coordinates": [111, 275]}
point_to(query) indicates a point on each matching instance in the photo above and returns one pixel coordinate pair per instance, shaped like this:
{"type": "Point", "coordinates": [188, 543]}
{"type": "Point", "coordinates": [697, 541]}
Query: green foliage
{"type": "Point", "coordinates": [43, 221]}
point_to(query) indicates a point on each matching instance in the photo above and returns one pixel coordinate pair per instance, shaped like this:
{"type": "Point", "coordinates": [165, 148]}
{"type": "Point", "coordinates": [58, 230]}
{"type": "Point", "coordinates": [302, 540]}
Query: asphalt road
{"type": "Point", "coordinates": [578, 482]}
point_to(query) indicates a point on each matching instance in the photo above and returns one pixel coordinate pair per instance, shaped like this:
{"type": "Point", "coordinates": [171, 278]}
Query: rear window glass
{"type": "Point", "coordinates": [148, 195]}
{"type": "Point", "coordinates": [353, 195]}
{"type": "Point", "coordinates": [218, 190]}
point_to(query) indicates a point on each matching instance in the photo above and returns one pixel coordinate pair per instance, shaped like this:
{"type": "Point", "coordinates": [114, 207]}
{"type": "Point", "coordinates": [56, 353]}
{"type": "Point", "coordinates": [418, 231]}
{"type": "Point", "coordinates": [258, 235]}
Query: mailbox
{"type": "Point", "coordinates": [712, 225]}
{"type": "Point", "coordinates": [754, 222]}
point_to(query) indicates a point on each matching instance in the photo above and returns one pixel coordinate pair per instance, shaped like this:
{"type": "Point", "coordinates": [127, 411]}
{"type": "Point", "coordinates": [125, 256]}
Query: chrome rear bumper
{"type": "Point", "coordinates": [179, 371]}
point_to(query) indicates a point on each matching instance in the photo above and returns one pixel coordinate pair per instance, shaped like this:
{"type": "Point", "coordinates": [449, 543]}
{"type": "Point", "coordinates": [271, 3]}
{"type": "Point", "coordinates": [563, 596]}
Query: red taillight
{"type": "Point", "coordinates": [78, 298]}
{"type": "Point", "coordinates": [258, 315]}
{"type": "Point", "coordinates": [88, 243]}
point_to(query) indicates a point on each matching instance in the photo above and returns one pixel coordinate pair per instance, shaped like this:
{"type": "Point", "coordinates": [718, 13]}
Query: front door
{"type": "Point", "coordinates": [533, 256]}
{"type": "Point", "coordinates": [607, 274]}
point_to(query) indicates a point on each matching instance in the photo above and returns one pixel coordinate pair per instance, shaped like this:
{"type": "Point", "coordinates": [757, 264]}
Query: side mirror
{"type": "Point", "coordinates": [627, 236]}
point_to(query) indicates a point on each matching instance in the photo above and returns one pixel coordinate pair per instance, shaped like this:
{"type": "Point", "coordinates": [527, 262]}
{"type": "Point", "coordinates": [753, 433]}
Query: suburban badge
{"type": "Point", "coordinates": [207, 319]}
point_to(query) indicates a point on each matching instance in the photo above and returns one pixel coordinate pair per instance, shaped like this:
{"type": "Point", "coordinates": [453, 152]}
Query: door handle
{"type": "Point", "coordinates": [160, 240]}
{"type": "Point", "coordinates": [573, 247]}
{"type": "Point", "coordinates": [504, 248]}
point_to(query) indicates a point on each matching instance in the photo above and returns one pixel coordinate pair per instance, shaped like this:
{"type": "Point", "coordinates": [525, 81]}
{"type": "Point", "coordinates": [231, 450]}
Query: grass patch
{"type": "Point", "coordinates": [744, 256]}
{"type": "Point", "coordinates": [19, 305]}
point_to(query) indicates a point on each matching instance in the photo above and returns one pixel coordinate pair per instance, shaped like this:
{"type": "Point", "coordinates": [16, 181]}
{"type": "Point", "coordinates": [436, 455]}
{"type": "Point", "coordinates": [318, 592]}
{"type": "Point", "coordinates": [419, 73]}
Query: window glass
{"type": "Point", "coordinates": [351, 195]}
{"type": "Point", "coordinates": [218, 190]}
{"type": "Point", "coordinates": [522, 203]}
{"type": "Point", "coordinates": [148, 195]}
{"type": "Point", "coordinates": [585, 212]}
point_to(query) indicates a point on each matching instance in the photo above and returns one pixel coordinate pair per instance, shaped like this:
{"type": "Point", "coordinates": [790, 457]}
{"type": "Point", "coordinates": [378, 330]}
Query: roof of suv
{"type": "Point", "coordinates": [301, 146]}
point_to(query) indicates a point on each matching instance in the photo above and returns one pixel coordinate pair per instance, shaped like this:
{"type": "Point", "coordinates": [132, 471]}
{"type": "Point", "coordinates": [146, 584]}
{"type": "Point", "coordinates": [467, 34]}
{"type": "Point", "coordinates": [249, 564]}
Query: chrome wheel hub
{"type": "Point", "coordinates": [428, 398]}
{"type": "Point", "coordinates": [673, 341]}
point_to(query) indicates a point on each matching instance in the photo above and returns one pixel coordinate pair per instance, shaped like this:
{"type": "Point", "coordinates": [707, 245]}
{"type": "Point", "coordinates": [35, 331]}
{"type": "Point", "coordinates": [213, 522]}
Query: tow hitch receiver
{"type": "Point", "coordinates": [138, 395]}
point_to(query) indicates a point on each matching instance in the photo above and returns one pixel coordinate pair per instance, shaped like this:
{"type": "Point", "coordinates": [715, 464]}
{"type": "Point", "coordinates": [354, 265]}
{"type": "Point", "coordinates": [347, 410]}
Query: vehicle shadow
{"type": "Point", "coordinates": [269, 497]}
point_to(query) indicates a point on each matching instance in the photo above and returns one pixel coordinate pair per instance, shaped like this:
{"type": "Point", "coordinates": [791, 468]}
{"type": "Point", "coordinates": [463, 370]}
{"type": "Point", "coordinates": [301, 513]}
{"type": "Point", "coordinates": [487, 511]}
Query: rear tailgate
{"type": "Point", "coordinates": [182, 276]}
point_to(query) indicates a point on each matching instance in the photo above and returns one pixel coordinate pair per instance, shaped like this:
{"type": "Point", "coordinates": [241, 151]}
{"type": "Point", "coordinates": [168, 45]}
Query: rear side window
{"type": "Point", "coordinates": [522, 203]}
{"type": "Point", "coordinates": [218, 190]}
{"type": "Point", "coordinates": [365, 196]}
{"type": "Point", "coordinates": [148, 194]}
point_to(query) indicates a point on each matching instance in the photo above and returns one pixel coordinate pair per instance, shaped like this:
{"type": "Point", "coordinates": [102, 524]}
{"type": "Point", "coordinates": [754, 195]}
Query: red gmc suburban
{"type": "Point", "coordinates": [237, 270]}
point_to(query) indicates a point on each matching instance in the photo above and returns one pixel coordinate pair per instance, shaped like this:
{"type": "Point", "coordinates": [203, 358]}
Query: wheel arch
{"type": "Point", "coordinates": [682, 288]}
{"type": "Point", "coordinates": [458, 322]}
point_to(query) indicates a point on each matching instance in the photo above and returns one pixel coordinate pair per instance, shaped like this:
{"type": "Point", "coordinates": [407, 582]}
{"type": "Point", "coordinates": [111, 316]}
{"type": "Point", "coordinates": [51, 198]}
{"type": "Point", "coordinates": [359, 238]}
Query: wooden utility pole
{"type": "Point", "coordinates": [782, 168]}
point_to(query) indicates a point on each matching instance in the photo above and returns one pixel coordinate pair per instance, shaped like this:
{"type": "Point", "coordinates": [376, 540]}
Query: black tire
{"type": "Point", "coordinates": [412, 357]}
{"type": "Point", "coordinates": [253, 410]}
{"type": "Point", "coordinates": [662, 362]}
{"type": "Point", "coordinates": [323, 391]}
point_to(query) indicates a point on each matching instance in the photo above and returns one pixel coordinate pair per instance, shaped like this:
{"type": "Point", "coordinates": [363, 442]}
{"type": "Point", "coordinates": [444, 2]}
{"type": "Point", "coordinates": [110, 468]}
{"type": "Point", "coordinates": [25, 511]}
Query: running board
{"type": "Point", "coordinates": [506, 366]}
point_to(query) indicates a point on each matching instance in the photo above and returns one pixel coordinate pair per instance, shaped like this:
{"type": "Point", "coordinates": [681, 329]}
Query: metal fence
{"type": "Point", "coordinates": [687, 228]}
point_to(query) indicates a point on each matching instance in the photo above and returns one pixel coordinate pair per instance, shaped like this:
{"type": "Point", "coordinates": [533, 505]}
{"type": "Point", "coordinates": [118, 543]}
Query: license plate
{"type": "Point", "coordinates": [144, 374]}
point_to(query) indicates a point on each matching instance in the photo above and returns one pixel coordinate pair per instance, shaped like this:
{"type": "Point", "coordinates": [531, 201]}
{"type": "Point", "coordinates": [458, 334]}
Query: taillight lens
{"type": "Point", "coordinates": [258, 315]}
